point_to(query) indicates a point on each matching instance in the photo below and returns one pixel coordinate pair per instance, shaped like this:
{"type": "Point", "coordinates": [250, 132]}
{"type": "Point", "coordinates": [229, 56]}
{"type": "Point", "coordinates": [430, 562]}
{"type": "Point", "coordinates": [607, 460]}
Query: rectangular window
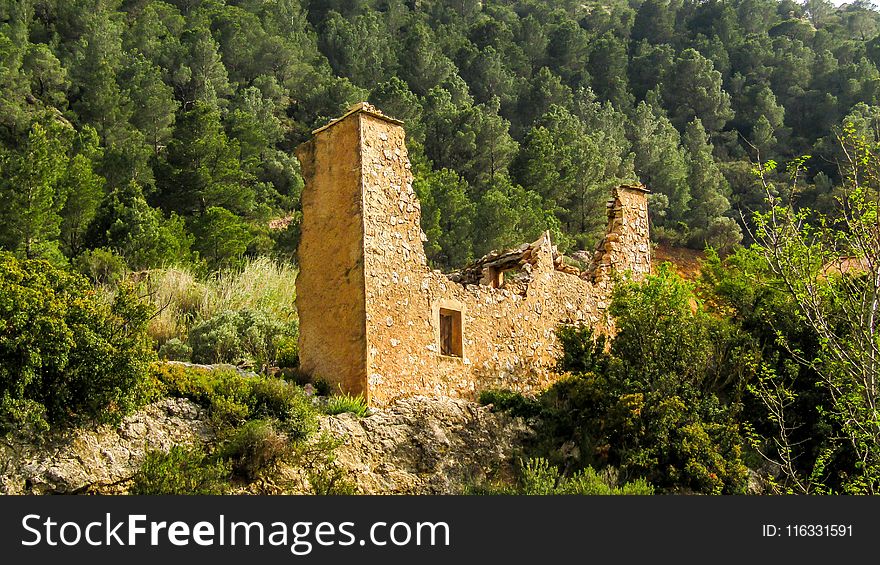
{"type": "Point", "coordinates": [496, 277]}
{"type": "Point", "coordinates": [450, 333]}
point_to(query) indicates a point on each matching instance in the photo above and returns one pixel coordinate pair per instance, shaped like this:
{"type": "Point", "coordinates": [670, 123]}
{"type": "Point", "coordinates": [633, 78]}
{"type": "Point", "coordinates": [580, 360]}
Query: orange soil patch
{"type": "Point", "coordinates": [687, 262]}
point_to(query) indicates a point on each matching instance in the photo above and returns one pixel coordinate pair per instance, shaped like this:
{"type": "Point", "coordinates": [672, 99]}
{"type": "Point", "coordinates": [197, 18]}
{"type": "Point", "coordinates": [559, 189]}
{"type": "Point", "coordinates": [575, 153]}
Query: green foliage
{"type": "Point", "coordinates": [181, 471]}
{"type": "Point", "coordinates": [202, 168]}
{"type": "Point", "coordinates": [67, 354]}
{"type": "Point", "coordinates": [222, 238]}
{"type": "Point", "coordinates": [30, 197]}
{"type": "Point", "coordinates": [448, 216]}
{"type": "Point", "coordinates": [255, 448]}
{"type": "Point", "coordinates": [200, 105]}
{"type": "Point", "coordinates": [324, 474]}
{"type": "Point", "coordinates": [709, 190]}
{"type": "Point", "coordinates": [184, 298]}
{"type": "Point", "coordinates": [125, 224]}
{"type": "Point", "coordinates": [825, 265]}
{"type": "Point", "coordinates": [511, 402]}
{"type": "Point", "coordinates": [322, 387]}
{"type": "Point", "coordinates": [662, 403]}
{"type": "Point", "coordinates": [573, 164]}
{"type": "Point", "coordinates": [692, 90]}
{"type": "Point", "coordinates": [538, 477]}
{"type": "Point", "coordinates": [339, 403]}
{"type": "Point", "coordinates": [661, 164]}
{"type": "Point", "coordinates": [287, 352]}
{"type": "Point", "coordinates": [233, 399]}
{"type": "Point", "coordinates": [175, 350]}
{"type": "Point", "coordinates": [238, 336]}
{"type": "Point", "coordinates": [101, 266]}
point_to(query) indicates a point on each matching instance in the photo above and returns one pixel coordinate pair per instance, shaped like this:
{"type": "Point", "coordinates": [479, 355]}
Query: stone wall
{"type": "Point", "coordinates": [508, 331]}
{"type": "Point", "coordinates": [330, 284]}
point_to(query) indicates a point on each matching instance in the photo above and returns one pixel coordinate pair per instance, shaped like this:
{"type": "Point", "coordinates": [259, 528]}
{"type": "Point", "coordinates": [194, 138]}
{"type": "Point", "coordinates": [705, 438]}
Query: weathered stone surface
{"type": "Point", "coordinates": [370, 307]}
{"type": "Point", "coordinates": [98, 459]}
{"type": "Point", "coordinates": [417, 446]}
{"type": "Point", "coordinates": [422, 445]}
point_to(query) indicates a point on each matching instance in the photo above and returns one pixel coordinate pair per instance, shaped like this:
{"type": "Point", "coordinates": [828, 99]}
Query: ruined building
{"type": "Point", "coordinates": [376, 320]}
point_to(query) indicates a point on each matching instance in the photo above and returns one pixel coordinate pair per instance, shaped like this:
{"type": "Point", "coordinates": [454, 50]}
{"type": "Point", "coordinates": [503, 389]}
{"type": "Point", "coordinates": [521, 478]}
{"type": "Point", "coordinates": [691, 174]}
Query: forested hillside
{"type": "Point", "coordinates": [151, 132]}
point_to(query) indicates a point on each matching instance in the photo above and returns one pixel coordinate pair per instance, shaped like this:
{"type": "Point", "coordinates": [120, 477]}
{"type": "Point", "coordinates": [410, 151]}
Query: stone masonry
{"type": "Point", "coordinates": [376, 320]}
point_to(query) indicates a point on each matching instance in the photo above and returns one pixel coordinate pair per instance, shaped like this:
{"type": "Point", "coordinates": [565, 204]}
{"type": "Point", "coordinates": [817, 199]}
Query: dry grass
{"type": "Point", "coordinates": [182, 300]}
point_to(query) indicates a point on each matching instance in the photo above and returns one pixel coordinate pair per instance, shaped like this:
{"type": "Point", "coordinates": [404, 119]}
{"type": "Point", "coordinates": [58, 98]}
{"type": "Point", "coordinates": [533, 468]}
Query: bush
{"type": "Point", "coordinates": [254, 448]}
{"type": "Point", "coordinates": [185, 300]}
{"type": "Point", "coordinates": [183, 470]}
{"type": "Point", "coordinates": [238, 336]}
{"type": "Point", "coordinates": [539, 477]}
{"type": "Point", "coordinates": [67, 354]}
{"type": "Point", "coordinates": [340, 403]}
{"type": "Point", "coordinates": [231, 399]}
{"type": "Point", "coordinates": [287, 352]}
{"type": "Point", "coordinates": [175, 350]}
{"type": "Point", "coordinates": [663, 405]}
{"type": "Point", "coordinates": [512, 402]}
{"type": "Point", "coordinates": [102, 266]}
{"type": "Point", "coordinates": [322, 387]}
{"type": "Point", "coordinates": [318, 459]}
{"type": "Point", "coordinates": [286, 402]}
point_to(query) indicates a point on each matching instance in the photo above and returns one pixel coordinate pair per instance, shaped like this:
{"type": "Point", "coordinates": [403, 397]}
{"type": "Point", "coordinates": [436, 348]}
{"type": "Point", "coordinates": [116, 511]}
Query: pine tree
{"type": "Point", "coordinates": [83, 190]}
{"type": "Point", "coordinates": [692, 89]}
{"type": "Point", "coordinates": [30, 199]}
{"type": "Point", "coordinates": [661, 165]}
{"type": "Point", "coordinates": [708, 189]}
{"type": "Point", "coordinates": [201, 168]}
{"type": "Point", "coordinates": [448, 217]}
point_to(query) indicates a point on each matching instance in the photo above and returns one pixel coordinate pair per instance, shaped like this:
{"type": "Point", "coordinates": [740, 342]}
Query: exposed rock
{"type": "Point", "coordinates": [99, 458]}
{"type": "Point", "coordinates": [422, 445]}
{"type": "Point", "coordinates": [418, 445]}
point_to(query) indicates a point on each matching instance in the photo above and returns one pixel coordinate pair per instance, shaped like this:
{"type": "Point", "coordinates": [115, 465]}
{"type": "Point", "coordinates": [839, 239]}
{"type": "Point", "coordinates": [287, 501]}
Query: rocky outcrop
{"type": "Point", "coordinates": [422, 445]}
{"type": "Point", "coordinates": [419, 445]}
{"type": "Point", "coordinates": [100, 458]}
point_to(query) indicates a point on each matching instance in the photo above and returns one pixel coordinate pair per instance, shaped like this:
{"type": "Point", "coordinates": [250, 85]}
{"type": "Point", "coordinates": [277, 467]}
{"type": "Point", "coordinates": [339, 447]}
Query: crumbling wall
{"type": "Point", "coordinates": [509, 338]}
{"type": "Point", "coordinates": [330, 283]}
{"type": "Point", "coordinates": [626, 246]}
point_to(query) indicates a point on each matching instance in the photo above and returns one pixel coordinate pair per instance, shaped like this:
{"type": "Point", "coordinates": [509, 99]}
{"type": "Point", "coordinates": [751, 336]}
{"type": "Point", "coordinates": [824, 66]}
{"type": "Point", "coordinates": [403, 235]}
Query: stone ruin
{"type": "Point", "coordinates": [376, 320]}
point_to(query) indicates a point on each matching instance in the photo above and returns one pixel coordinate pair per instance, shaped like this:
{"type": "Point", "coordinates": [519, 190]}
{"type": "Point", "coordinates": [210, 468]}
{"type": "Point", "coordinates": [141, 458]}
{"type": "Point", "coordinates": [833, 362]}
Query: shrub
{"type": "Point", "coordinates": [286, 402]}
{"type": "Point", "coordinates": [231, 399]}
{"type": "Point", "coordinates": [67, 354]}
{"type": "Point", "coordinates": [318, 459]}
{"type": "Point", "coordinates": [101, 266]}
{"type": "Point", "coordinates": [322, 387]}
{"type": "Point", "coordinates": [254, 448]}
{"type": "Point", "coordinates": [185, 300]}
{"type": "Point", "coordinates": [339, 403]}
{"type": "Point", "coordinates": [238, 336]}
{"type": "Point", "coordinates": [539, 477]}
{"type": "Point", "coordinates": [287, 352]}
{"type": "Point", "coordinates": [183, 470]}
{"type": "Point", "coordinates": [175, 350]}
{"type": "Point", "coordinates": [510, 401]}
{"type": "Point", "coordinates": [663, 404]}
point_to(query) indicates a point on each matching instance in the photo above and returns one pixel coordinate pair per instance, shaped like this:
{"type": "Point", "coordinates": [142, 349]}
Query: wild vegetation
{"type": "Point", "coordinates": [267, 438]}
{"type": "Point", "coordinates": [149, 207]}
